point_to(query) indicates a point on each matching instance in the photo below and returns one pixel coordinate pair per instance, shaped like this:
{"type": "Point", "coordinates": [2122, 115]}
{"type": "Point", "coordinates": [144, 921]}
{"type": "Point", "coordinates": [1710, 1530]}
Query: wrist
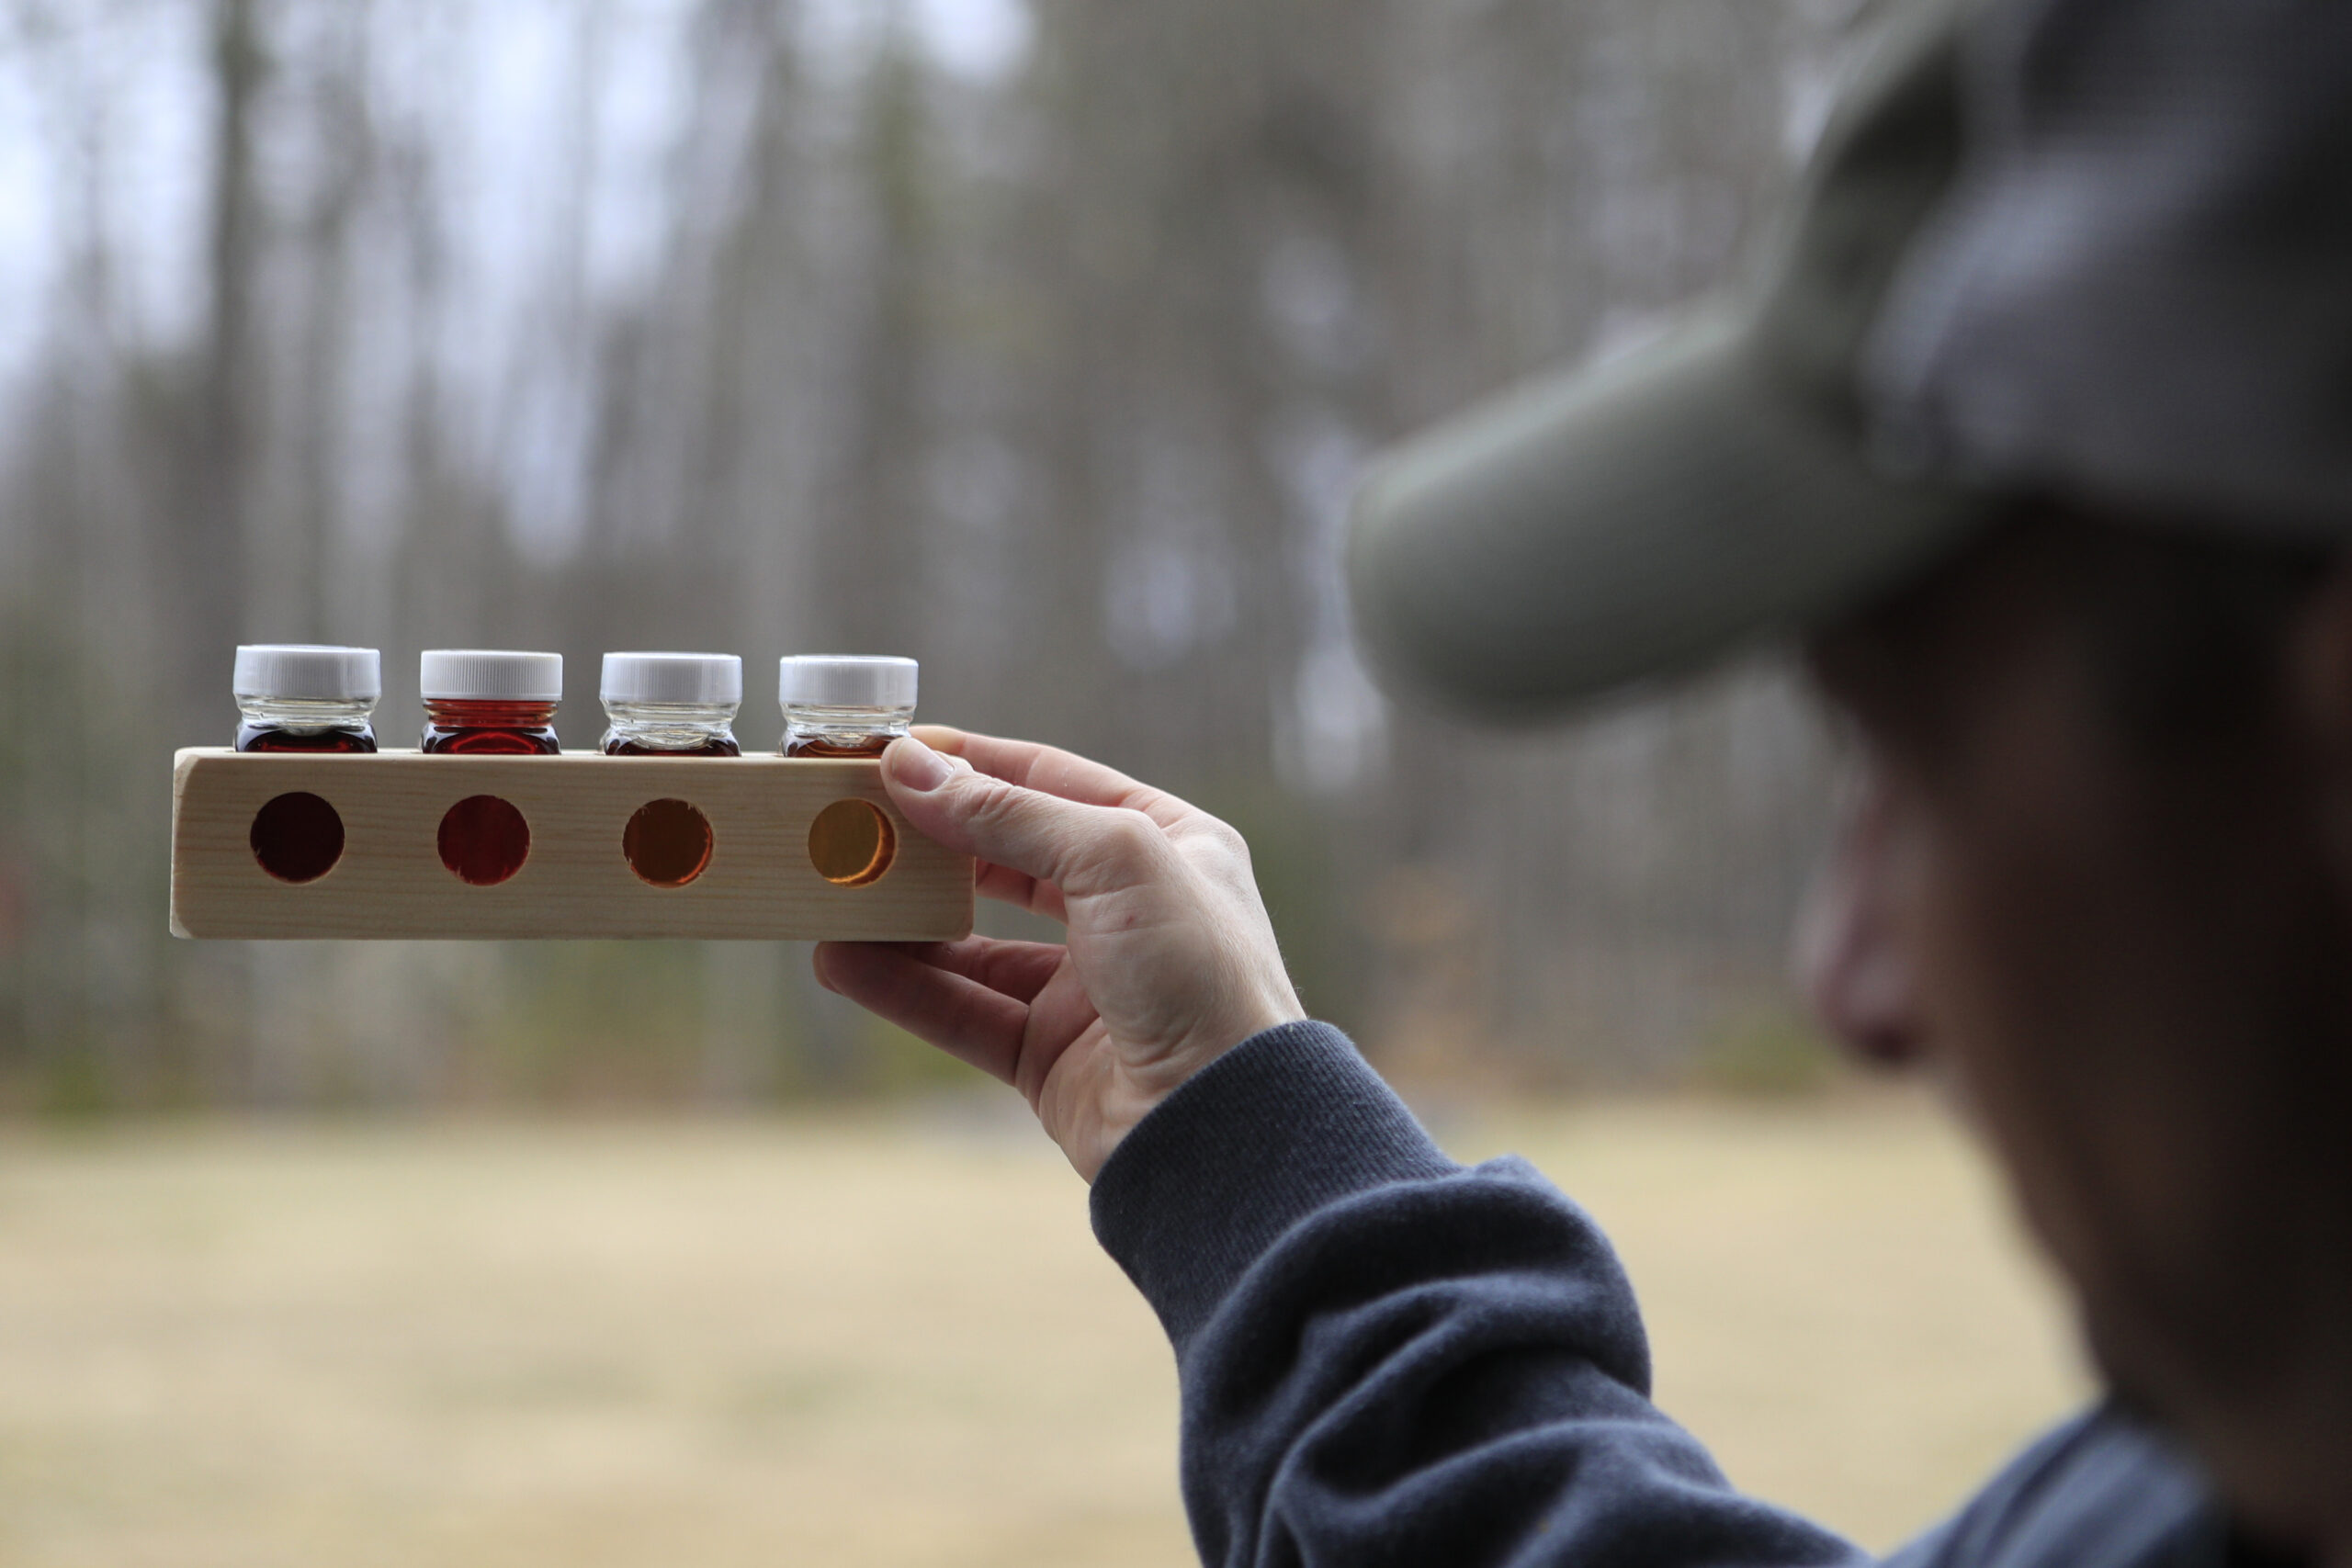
{"type": "Point", "coordinates": [1140, 1090]}
{"type": "Point", "coordinates": [1234, 1026]}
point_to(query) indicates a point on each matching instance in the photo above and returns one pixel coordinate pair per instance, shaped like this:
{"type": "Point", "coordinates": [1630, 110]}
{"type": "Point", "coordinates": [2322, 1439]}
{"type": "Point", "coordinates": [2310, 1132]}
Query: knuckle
{"type": "Point", "coordinates": [1132, 834]}
{"type": "Point", "coordinates": [1130, 838]}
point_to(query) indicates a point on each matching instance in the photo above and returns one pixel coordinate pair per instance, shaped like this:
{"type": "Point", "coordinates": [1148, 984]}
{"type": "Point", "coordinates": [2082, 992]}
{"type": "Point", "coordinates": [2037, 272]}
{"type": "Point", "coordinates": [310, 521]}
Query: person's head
{"type": "Point", "coordinates": [2035, 424]}
{"type": "Point", "coordinates": [2097, 869]}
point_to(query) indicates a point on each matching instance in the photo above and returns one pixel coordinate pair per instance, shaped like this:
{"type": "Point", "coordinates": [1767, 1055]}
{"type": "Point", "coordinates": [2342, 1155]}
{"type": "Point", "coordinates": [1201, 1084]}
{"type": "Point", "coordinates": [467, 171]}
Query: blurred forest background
{"type": "Point", "coordinates": [1040, 342]}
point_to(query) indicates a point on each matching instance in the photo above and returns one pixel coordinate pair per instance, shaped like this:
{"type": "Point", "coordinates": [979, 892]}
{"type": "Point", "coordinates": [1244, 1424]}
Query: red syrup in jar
{"type": "Point", "coordinates": [489, 727]}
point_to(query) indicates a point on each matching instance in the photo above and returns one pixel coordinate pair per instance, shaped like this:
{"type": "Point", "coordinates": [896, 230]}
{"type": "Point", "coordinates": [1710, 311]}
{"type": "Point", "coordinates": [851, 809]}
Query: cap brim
{"type": "Point", "coordinates": [1633, 520]}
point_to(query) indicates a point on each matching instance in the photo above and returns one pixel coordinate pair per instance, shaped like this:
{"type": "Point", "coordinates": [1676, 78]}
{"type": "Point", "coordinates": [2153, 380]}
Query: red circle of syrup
{"type": "Point", "coordinates": [483, 841]}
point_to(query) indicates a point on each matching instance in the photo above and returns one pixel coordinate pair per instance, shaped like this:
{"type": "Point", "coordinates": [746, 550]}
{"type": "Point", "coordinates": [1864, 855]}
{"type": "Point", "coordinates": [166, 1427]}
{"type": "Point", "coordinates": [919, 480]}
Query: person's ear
{"type": "Point", "coordinates": [2323, 691]}
{"type": "Point", "coordinates": [1850, 953]}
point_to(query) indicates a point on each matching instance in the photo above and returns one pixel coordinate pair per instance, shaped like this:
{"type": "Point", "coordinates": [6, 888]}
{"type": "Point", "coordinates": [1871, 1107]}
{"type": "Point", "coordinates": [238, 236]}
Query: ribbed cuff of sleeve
{"type": "Point", "coordinates": [1286, 1124]}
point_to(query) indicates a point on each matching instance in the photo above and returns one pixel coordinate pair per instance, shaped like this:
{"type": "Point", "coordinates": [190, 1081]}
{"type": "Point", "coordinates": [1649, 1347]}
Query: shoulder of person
{"type": "Point", "coordinates": [2102, 1491]}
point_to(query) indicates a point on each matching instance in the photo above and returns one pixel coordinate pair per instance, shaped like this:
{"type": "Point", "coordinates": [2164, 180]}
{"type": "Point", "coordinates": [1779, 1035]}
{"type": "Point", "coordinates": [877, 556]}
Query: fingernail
{"type": "Point", "coordinates": [916, 765]}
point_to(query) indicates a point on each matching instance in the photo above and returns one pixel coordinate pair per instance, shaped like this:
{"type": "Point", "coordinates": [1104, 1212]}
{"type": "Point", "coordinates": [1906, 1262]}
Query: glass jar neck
{"type": "Point", "coordinates": [305, 715]}
{"type": "Point", "coordinates": [490, 713]}
{"type": "Point", "coordinates": [669, 727]}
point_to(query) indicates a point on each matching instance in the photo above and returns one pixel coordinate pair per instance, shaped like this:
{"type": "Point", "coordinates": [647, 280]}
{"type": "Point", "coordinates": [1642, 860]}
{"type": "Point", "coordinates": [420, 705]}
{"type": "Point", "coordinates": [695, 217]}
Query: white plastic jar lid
{"type": "Point", "coordinates": [844, 680]}
{"type": "Point", "coordinates": [489, 673]}
{"type": "Point", "coordinates": [307, 673]}
{"type": "Point", "coordinates": [708, 679]}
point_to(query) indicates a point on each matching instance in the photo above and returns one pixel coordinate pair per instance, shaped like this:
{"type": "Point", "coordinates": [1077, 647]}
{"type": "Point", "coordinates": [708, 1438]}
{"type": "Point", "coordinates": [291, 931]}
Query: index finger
{"type": "Point", "coordinates": [1049, 769]}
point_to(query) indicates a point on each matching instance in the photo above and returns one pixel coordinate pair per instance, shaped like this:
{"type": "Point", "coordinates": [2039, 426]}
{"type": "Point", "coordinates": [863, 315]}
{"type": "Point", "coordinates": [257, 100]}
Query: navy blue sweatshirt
{"type": "Point", "coordinates": [1388, 1357]}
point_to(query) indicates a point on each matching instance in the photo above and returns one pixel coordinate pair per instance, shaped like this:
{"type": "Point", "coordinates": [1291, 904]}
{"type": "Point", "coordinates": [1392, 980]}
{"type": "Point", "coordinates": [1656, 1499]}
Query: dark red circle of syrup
{"type": "Point", "coordinates": [296, 837]}
{"type": "Point", "coordinates": [483, 841]}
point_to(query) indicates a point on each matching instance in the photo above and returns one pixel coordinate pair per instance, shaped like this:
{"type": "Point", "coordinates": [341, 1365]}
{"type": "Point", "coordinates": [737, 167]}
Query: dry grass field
{"type": "Point", "coordinates": [870, 1338]}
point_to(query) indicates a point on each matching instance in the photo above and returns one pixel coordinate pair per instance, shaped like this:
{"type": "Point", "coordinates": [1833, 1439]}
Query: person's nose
{"type": "Point", "coordinates": [1850, 957]}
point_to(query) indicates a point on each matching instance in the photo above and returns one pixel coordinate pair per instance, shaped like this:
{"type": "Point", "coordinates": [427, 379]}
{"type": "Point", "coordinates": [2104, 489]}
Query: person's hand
{"type": "Point", "coordinates": [1171, 961]}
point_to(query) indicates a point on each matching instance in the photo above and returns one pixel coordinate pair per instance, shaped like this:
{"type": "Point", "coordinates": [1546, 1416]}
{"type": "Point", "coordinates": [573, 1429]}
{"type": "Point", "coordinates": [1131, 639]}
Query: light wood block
{"type": "Point", "coordinates": [759, 882]}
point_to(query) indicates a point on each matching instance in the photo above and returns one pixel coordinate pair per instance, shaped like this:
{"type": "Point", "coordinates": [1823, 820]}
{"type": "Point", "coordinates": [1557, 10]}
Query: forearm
{"type": "Point", "coordinates": [1388, 1357]}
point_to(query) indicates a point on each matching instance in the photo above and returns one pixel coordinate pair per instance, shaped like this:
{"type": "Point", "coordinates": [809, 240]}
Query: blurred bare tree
{"type": "Point", "coordinates": [1040, 343]}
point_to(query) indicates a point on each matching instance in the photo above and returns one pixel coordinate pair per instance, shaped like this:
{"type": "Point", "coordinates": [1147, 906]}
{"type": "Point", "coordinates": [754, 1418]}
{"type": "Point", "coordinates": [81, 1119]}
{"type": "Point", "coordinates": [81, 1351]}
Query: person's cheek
{"type": "Point", "coordinates": [2000, 936]}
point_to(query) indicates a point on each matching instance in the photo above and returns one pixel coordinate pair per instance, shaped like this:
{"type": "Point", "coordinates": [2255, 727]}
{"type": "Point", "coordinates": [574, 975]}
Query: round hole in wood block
{"type": "Point", "coordinates": [668, 842]}
{"type": "Point", "coordinates": [850, 843]}
{"type": "Point", "coordinates": [483, 839]}
{"type": "Point", "coordinates": [296, 837]}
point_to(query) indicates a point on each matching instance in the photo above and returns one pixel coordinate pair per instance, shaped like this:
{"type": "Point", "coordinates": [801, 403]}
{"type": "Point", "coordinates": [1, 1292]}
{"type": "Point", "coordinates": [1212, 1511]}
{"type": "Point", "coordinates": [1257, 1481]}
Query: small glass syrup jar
{"type": "Point", "coordinates": [843, 704]}
{"type": "Point", "coordinates": [300, 698]}
{"type": "Point", "coordinates": [672, 705]}
{"type": "Point", "coordinates": [483, 702]}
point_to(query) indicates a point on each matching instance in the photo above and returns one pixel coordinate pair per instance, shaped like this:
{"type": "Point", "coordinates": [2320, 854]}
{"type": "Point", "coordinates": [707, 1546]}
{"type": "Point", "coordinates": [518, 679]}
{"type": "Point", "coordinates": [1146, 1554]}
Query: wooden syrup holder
{"type": "Point", "coordinates": [760, 883]}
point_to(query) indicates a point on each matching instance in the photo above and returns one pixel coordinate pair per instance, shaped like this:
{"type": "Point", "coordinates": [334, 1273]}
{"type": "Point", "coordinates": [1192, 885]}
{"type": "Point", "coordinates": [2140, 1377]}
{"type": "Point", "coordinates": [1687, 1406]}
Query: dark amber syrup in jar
{"type": "Point", "coordinates": [711, 748]}
{"type": "Point", "coordinates": [270, 737]}
{"type": "Point", "coordinates": [487, 726]}
{"type": "Point", "coordinates": [816, 745]}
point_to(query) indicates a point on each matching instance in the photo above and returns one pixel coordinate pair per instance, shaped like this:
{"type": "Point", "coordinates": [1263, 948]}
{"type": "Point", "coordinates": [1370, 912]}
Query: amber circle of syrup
{"type": "Point", "coordinates": [296, 837]}
{"type": "Point", "coordinates": [667, 842]}
{"type": "Point", "coordinates": [483, 841]}
{"type": "Point", "coordinates": [850, 843]}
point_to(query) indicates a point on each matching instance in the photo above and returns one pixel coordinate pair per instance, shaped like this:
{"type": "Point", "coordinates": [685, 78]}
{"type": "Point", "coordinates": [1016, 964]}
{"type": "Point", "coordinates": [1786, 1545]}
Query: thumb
{"type": "Point", "coordinates": [1079, 849]}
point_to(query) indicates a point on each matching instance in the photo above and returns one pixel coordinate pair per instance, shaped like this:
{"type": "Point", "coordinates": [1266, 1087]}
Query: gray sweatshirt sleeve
{"type": "Point", "coordinates": [1388, 1357]}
